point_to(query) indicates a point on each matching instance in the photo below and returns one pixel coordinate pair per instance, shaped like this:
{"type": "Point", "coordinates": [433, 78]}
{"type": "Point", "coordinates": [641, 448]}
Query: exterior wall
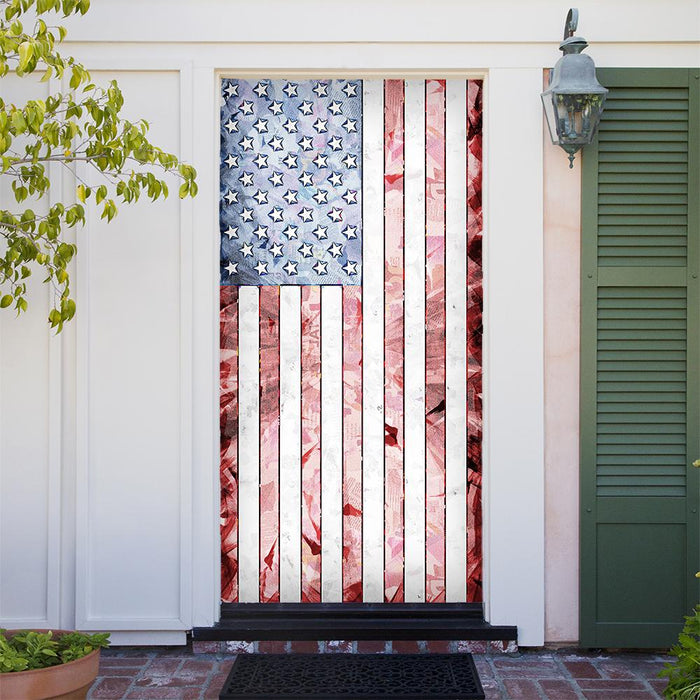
{"type": "Point", "coordinates": [562, 239]}
{"type": "Point", "coordinates": [119, 467]}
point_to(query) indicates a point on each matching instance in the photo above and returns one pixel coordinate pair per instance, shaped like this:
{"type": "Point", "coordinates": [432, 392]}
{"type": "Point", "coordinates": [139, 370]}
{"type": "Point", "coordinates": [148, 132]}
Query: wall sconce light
{"type": "Point", "coordinates": [573, 102]}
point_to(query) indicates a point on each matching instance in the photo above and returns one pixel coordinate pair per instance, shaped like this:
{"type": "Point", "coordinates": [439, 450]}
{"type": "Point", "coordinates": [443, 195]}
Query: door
{"type": "Point", "coordinates": [351, 299]}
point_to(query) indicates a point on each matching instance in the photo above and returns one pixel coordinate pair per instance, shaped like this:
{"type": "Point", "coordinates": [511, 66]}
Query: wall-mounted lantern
{"type": "Point", "coordinates": [573, 102]}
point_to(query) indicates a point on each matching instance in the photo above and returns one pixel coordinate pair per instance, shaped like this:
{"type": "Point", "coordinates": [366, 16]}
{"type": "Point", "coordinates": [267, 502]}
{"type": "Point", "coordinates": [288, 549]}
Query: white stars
{"type": "Point", "coordinates": [290, 160]}
{"type": "Point", "coordinates": [290, 126]}
{"type": "Point", "coordinates": [306, 251]}
{"type": "Point", "coordinates": [291, 268]}
{"type": "Point", "coordinates": [260, 197]}
{"type": "Point", "coordinates": [335, 215]}
{"type": "Point", "coordinates": [260, 125]}
{"type": "Point", "coordinates": [276, 214]}
{"type": "Point", "coordinates": [321, 125]}
{"type": "Point", "coordinates": [306, 143]}
{"type": "Point", "coordinates": [231, 125]}
{"type": "Point", "coordinates": [320, 232]}
{"type": "Point", "coordinates": [321, 197]}
{"type": "Point", "coordinates": [306, 214]}
{"type": "Point", "coordinates": [286, 162]}
{"type": "Point", "coordinates": [231, 90]}
{"type": "Point", "coordinates": [246, 143]}
{"type": "Point", "coordinates": [350, 268]}
{"type": "Point", "coordinates": [276, 179]}
{"type": "Point", "coordinates": [246, 107]}
{"type": "Point", "coordinates": [335, 250]}
{"type": "Point", "coordinates": [260, 232]}
{"type": "Point", "coordinates": [320, 268]}
{"type": "Point", "coordinates": [261, 268]}
{"type": "Point", "coordinates": [231, 161]}
{"type": "Point", "coordinates": [261, 89]}
{"type": "Point", "coordinates": [261, 160]}
{"type": "Point", "coordinates": [276, 143]}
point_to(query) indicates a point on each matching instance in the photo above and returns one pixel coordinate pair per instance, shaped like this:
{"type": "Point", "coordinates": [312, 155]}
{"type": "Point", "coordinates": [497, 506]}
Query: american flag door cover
{"type": "Point", "coordinates": [350, 327]}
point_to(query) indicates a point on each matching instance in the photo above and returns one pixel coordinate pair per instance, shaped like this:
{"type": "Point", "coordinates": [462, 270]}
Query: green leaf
{"type": "Point", "coordinates": [26, 53]}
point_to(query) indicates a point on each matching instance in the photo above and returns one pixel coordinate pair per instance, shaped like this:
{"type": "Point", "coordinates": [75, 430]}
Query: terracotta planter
{"type": "Point", "coordinates": [69, 681]}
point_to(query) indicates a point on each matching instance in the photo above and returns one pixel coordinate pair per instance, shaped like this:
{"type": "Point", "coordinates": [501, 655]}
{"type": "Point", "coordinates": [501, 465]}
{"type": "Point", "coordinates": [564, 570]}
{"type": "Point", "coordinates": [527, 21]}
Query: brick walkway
{"type": "Point", "coordinates": [147, 672]}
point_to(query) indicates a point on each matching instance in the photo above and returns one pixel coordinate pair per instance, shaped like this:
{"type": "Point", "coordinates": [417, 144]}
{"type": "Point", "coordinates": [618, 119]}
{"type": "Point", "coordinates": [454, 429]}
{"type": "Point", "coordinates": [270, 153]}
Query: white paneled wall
{"type": "Point", "coordinates": [108, 435]}
{"type": "Point", "coordinates": [29, 446]}
{"type": "Point", "coordinates": [133, 395]}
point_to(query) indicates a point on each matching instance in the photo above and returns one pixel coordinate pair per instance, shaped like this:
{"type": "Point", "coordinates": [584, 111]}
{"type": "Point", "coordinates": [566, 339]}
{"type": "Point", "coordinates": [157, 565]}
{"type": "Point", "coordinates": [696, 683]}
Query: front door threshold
{"type": "Point", "coordinates": [365, 621]}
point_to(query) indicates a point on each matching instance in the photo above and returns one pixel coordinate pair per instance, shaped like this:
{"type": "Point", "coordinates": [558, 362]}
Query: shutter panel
{"type": "Point", "coordinates": [639, 361]}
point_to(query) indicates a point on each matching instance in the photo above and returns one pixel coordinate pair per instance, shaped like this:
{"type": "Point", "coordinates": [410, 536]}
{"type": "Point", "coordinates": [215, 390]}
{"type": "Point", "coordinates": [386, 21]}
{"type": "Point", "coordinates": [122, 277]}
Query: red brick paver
{"type": "Point", "coordinates": [526, 675]}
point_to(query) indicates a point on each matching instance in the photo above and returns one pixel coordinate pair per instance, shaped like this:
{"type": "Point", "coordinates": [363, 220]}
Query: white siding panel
{"type": "Point", "coordinates": [414, 376]}
{"type": "Point", "coordinates": [332, 445]}
{"type": "Point", "coordinates": [132, 510]}
{"type": "Point", "coordinates": [456, 366]}
{"type": "Point", "coordinates": [290, 444]}
{"type": "Point", "coordinates": [248, 444]}
{"type": "Point", "coordinates": [373, 347]}
{"type": "Point", "coordinates": [30, 420]}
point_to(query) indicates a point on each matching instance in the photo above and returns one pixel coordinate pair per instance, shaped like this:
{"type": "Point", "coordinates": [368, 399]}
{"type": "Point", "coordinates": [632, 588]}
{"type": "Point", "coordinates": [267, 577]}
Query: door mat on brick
{"type": "Point", "coordinates": [347, 676]}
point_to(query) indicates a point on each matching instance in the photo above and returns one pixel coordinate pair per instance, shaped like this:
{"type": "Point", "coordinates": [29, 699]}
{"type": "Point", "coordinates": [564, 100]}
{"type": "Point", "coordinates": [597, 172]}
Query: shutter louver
{"type": "Point", "coordinates": [643, 178]}
{"type": "Point", "coordinates": [641, 387]}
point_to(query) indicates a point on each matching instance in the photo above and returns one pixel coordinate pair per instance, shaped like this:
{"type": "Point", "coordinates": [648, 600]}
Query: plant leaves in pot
{"type": "Point", "coordinates": [43, 664]}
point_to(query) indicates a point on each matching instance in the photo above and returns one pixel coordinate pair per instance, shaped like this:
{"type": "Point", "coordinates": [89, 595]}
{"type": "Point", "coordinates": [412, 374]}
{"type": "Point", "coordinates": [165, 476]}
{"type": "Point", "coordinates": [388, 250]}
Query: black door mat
{"type": "Point", "coordinates": [352, 676]}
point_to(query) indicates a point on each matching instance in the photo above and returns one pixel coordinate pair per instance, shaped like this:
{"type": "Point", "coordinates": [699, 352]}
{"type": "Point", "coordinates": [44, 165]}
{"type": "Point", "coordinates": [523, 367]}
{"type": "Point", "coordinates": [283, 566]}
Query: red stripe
{"type": "Point", "coordinates": [393, 340]}
{"type": "Point", "coordinates": [474, 340]}
{"type": "Point", "coordinates": [228, 421]}
{"type": "Point", "coordinates": [352, 444]}
{"type": "Point", "coordinates": [311, 444]}
{"type": "Point", "coordinates": [269, 444]}
{"type": "Point", "coordinates": [435, 341]}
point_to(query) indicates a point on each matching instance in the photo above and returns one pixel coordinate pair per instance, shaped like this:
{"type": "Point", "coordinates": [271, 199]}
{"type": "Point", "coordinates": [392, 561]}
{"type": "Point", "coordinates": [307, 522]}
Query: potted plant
{"type": "Point", "coordinates": [42, 664]}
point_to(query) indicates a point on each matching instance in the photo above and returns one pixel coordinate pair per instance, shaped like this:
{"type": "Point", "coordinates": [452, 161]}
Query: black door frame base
{"type": "Point", "coordinates": [353, 621]}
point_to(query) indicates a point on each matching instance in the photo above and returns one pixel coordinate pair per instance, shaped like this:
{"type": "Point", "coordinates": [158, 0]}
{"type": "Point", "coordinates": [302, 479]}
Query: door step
{"type": "Point", "coordinates": [445, 625]}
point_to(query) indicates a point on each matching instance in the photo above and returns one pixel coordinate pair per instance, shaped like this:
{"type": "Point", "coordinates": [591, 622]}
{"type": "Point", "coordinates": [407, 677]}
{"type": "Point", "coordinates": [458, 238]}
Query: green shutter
{"type": "Point", "coordinates": [640, 328]}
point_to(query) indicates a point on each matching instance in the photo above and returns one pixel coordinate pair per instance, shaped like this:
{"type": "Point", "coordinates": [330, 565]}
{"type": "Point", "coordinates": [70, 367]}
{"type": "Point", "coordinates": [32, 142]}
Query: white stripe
{"type": "Point", "coordinates": [290, 444]}
{"type": "Point", "coordinates": [331, 444]}
{"type": "Point", "coordinates": [373, 342]}
{"type": "Point", "coordinates": [248, 444]}
{"type": "Point", "coordinates": [414, 376]}
{"type": "Point", "coordinates": [456, 369]}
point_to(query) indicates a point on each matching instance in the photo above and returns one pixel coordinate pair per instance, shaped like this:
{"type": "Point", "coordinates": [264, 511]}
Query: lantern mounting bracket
{"type": "Point", "coordinates": [571, 23]}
